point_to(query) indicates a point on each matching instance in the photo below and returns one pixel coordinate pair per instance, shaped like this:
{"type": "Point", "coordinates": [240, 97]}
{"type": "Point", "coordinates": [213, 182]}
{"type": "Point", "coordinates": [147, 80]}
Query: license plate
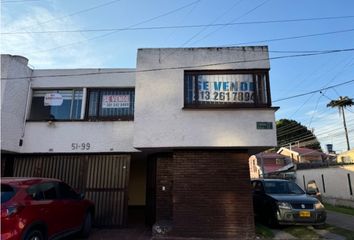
{"type": "Point", "coordinates": [305, 214]}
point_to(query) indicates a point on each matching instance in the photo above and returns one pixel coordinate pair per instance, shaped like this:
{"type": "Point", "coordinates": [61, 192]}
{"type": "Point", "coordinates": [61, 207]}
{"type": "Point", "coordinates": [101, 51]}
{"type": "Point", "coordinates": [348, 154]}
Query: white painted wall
{"type": "Point", "coordinates": [103, 136]}
{"type": "Point", "coordinates": [41, 137]}
{"type": "Point", "coordinates": [111, 136]}
{"type": "Point", "coordinates": [100, 78]}
{"type": "Point", "coordinates": [14, 93]}
{"type": "Point", "coordinates": [335, 178]}
{"type": "Point", "coordinates": [161, 121]}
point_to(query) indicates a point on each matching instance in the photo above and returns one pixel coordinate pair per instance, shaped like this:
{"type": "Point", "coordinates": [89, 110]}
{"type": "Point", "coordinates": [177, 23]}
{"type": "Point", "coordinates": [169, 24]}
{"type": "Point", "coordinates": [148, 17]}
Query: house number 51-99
{"type": "Point", "coordinates": [80, 146]}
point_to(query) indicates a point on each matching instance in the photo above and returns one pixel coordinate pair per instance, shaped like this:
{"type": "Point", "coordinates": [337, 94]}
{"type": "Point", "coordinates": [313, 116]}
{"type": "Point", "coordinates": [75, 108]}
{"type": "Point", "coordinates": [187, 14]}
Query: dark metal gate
{"type": "Point", "coordinates": [103, 178]}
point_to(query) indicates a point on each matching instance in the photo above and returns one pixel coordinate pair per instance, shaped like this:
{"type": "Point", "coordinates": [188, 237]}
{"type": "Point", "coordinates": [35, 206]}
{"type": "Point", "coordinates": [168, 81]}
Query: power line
{"type": "Point", "coordinates": [310, 138]}
{"type": "Point", "coordinates": [18, 1]}
{"type": "Point", "coordinates": [173, 26]}
{"type": "Point", "coordinates": [78, 12]}
{"type": "Point", "coordinates": [235, 19]}
{"type": "Point", "coordinates": [292, 37]}
{"type": "Point", "coordinates": [114, 31]}
{"type": "Point", "coordinates": [208, 25]}
{"type": "Point", "coordinates": [184, 18]}
{"type": "Point", "coordinates": [297, 128]}
{"type": "Point", "coordinates": [208, 65]}
{"type": "Point", "coordinates": [310, 134]}
{"type": "Point", "coordinates": [318, 90]}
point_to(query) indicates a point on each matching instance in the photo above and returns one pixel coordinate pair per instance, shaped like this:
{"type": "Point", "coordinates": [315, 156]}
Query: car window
{"type": "Point", "coordinates": [66, 192]}
{"type": "Point", "coordinates": [43, 191]}
{"type": "Point", "coordinates": [7, 192]}
{"type": "Point", "coordinates": [282, 187]}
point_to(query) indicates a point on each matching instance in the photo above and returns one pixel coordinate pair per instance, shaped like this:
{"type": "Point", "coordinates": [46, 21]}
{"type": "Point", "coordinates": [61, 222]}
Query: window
{"type": "Point", "coordinates": [7, 192]}
{"type": "Point", "coordinates": [208, 89]}
{"type": "Point", "coordinates": [66, 192]}
{"type": "Point", "coordinates": [44, 191]}
{"type": "Point", "coordinates": [282, 187]}
{"type": "Point", "coordinates": [56, 104]}
{"type": "Point", "coordinates": [110, 104]}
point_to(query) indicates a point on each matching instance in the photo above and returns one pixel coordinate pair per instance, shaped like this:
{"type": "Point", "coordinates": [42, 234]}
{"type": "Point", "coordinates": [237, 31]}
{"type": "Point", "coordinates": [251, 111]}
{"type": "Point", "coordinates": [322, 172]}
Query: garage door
{"type": "Point", "coordinates": [103, 179]}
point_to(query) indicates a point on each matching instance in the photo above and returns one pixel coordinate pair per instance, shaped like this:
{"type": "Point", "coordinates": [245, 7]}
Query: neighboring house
{"type": "Point", "coordinates": [272, 163]}
{"type": "Point", "coordinates": [346, 157]}
{"type": "Point", "coordinates": [170, 138]}
{"type": "Point", "coordinates": [303, 155]}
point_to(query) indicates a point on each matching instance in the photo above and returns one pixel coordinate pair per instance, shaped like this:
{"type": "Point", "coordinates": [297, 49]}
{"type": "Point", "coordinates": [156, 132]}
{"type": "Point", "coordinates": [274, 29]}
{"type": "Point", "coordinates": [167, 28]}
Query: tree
{"type": "Point", "coordinates": [292, 132]}
{"type": "Point", "coordinates": [342, 103]}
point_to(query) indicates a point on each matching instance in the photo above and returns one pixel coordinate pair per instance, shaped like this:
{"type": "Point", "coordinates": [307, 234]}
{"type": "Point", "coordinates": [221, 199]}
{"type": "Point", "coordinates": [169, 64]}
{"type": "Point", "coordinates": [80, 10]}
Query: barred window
{"type": "Point", "coordinates": [206, 89]}
{"type": "Point", "coordinates": [111, 104]}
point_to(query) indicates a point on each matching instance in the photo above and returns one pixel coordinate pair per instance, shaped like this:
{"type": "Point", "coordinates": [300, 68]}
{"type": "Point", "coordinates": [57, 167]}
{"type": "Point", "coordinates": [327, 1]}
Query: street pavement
{"type": "Point", "coordinates": [340, 220]}
{"type": "Point", "coordinates": [280, 235]}
{"type": "Point", "coordinates": [328, 235]}
{"type": "Point", "coordinates": [140, 233]}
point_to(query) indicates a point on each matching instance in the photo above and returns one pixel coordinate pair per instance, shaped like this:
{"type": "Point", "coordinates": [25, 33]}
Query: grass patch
{"type": "Point", "coordinates": [340, 209]}
{"type": "Point", "coordinates": [263, 232]}
{"type": "Point", "coordinates": [349, 235]}
{"type": "Point", "coordinates": [302, 232]}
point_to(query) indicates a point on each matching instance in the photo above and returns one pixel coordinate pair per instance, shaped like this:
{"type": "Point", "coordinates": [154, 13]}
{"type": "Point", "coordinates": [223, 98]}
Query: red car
{"type": "Point", "coordinates": [42, 208]}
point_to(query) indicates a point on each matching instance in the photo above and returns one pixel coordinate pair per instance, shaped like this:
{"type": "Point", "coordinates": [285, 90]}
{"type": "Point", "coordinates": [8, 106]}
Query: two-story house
{"type": "Point", "coordinates": [171, 138]}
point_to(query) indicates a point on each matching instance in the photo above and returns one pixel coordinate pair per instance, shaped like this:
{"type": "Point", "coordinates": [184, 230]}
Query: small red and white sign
{"type": "Point", "coordinates": [115, 101]}
{"type": "Point", "coordinates": [53, 99]}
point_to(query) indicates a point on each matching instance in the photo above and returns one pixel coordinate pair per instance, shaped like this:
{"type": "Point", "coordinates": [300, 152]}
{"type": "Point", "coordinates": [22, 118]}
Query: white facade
{"type": "Point", "coordinates": [59, 136]}
{"type": "Point", "coordinates": [14, 94]}
{"type": "Point", "coordinates": [161, 120]}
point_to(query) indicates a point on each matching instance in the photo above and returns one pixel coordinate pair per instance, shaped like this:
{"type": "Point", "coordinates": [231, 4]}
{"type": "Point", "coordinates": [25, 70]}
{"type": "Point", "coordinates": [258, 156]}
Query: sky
{"type": "Point", "coordinates": [27, 29]}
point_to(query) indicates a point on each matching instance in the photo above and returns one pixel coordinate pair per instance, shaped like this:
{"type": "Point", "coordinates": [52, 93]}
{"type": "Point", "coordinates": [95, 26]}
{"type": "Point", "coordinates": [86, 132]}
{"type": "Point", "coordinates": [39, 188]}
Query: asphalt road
{"type": "Point", "coordinates": [340, 220]}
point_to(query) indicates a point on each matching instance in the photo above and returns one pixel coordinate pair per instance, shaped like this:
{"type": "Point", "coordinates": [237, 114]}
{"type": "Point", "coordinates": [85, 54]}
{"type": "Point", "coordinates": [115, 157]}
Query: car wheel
{"type": "Point", "coordinates": [34, 234]}
{"type": "Point", "coordinates": [86, 225]}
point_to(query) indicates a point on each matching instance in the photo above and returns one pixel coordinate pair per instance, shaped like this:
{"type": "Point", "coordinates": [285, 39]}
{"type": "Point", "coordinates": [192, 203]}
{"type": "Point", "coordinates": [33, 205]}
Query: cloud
{"type": "Point", "coordinates": [35, 46]}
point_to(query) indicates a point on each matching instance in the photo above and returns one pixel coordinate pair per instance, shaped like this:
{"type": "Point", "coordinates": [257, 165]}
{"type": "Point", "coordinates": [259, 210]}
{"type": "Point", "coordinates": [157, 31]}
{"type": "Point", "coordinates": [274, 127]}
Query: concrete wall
{"type": "Point", "coordinates": [14, 92]}
{"type": "Point", "coordinates": [161, 121]}
{"type": "Point", "coordinates": [107, 136]}
{"type": "Point", "coordinates": [336, 186]}
{"type": "Point", "coordinates": [42, 137]}
{"type": "Point", "coordinates": [100, 78]}
{"type": "Point", "coordinates": [103, 136]}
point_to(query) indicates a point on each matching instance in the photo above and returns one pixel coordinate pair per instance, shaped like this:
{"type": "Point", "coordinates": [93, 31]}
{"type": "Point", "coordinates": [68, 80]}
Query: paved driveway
{"type": "Point", "coordinates": [121, 234]}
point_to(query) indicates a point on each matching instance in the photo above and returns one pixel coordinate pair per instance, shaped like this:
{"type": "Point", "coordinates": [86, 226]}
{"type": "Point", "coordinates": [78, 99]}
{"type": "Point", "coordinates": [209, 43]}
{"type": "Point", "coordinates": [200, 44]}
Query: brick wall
{"type": "Point", "coordinates": [164, 178]}
{"type": "Point", "coordinates": [211, 195]}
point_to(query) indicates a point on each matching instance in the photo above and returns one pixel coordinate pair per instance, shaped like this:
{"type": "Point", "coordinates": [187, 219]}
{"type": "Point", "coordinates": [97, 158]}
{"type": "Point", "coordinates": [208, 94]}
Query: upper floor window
{"type": "Point", "coordinates": [111, 104]}
{"type": "Point", "coordinates": [64, 104]}
{"type": "Point", "coordinates": [218, 89]}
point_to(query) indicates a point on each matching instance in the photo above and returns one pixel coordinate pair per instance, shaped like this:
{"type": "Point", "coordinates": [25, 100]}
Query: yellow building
{"type": "Point", "coordinates": [346, 157]}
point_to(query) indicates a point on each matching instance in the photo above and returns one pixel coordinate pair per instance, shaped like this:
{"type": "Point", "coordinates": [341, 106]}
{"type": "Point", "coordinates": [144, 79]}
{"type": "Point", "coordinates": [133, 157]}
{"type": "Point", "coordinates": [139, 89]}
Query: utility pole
{"type": "Point", "coordinates": [345, 128]}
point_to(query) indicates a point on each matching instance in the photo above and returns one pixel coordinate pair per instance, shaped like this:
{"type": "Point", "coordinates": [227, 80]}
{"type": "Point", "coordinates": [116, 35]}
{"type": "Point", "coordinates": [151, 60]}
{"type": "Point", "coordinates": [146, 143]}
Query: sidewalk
{"type": "Point", "coordinates": [340, 220]}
